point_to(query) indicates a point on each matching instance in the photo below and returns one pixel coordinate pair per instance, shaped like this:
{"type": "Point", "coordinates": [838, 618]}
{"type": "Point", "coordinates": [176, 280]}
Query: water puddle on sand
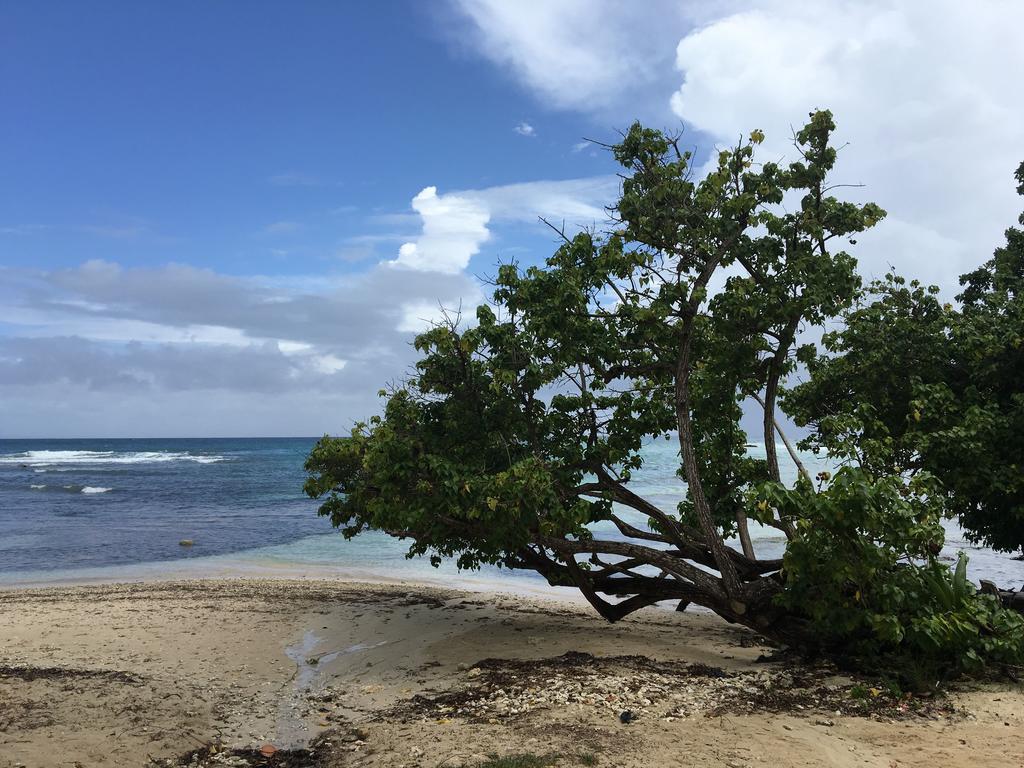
{"type": "Point", "coordinates": [292, 728]}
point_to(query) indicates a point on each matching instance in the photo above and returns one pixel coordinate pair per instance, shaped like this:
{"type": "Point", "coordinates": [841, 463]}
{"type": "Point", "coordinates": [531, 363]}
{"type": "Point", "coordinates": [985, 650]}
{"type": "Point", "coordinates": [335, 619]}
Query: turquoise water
{"type": "Point", "coordinates": [75, 510]}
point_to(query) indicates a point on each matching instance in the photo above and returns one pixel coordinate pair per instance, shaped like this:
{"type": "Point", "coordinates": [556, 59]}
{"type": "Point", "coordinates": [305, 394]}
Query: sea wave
{"type": "Point", "coordinates": [87, 489]}
{"type": "Point", "coordinates": [53, 458]}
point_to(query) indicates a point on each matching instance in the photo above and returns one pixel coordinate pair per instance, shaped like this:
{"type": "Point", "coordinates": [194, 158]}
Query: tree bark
{"type": "Point", "coordinates": [770, 393]}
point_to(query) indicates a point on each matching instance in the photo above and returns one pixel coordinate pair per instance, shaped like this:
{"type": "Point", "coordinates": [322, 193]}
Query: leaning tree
{"type": "Point", "coordinates": [515, 440]}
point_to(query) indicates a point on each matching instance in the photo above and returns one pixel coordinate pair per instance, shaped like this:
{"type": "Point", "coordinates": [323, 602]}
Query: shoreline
{"type": "Point", "coordinates": [292, 560]}
{"type": "Point", "coordinates": [400, 674]}
{"type": "Point", "coordinates": [235, 567]}
{"type": "Point", "coordinates": [325, 555]}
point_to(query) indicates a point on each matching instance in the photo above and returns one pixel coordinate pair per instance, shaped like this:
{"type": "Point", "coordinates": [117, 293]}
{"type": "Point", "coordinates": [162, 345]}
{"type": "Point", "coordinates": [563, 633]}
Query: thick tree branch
{"type": "Point", "coordinates": [790, 448]}
{"type": "Point", "coordinates": [771, 389]}
{"type": "Point", "coordinates": [732, 584]}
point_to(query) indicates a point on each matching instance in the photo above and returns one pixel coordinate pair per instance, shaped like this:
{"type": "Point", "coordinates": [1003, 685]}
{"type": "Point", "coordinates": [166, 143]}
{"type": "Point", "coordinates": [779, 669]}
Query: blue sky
{"type": "Point", "coordinates": [231, 218]}
{"type": "Point", "coordinates": [226, 134]}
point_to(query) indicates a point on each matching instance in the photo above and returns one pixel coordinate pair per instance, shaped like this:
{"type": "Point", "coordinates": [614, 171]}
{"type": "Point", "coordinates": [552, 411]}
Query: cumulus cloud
{"type": "Point", "coordinates": [925, 94]}
{"type": "Point", "coordinates": [455, 224]}
{"type": "Point", "coordinates": [922, 95]}
{"type": "Point", "coordinates": [525, 129]}
{"type": "Point", "coordinates": [454, 228]}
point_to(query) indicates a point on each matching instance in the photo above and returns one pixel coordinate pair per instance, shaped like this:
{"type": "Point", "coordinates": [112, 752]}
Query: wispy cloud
{"type": "Point", "coordinates": [282, 227]}
{"type": "Point", "coordinates": [115, 232]}
{"type": "Point", "coordinates": [375, 238]}
{"type": "Point", "coordinates": [343, 210]}
{"type": "Point", "coordinates": [24, 229]}
{"type": "Point", "coordinates": [581, 145]}
{"type": "Point", "coordinates": [525, 129]}
{"type": "Point", "coordinates": [355, 252]}
{"type": "Point", "coordinates": [580, 54]}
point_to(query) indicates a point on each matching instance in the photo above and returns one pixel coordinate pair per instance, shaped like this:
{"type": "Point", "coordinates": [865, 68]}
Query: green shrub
{"type": "Point", "coordinates": [863, 570]}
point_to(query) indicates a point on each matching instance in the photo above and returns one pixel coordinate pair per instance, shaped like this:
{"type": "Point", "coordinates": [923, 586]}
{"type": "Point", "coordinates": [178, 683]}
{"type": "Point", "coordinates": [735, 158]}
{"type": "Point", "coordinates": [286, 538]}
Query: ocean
{"type": "Point", "coordinates": [101, 510]}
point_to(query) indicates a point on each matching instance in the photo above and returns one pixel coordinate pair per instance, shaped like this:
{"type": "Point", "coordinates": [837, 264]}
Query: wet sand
{"type": "Point", "coordinates": [410, 675]}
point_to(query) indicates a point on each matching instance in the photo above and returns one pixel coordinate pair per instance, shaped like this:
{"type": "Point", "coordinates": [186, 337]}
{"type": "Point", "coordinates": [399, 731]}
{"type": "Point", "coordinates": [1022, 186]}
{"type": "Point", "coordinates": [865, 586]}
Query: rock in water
{"type": "Point", "coordinates": [186, 543]}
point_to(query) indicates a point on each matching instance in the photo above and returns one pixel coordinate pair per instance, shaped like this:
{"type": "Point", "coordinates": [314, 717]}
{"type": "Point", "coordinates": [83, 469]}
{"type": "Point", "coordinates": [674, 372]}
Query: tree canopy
{"type": "Point", "coordinates": [520, 431]}
{"type": "Point", "coordinates": [910, 383]}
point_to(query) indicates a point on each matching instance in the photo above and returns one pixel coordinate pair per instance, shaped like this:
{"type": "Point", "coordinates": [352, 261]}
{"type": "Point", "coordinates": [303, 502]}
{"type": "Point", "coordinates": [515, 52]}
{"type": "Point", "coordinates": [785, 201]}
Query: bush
{"type": "Point", "coordinates": [863, 570]}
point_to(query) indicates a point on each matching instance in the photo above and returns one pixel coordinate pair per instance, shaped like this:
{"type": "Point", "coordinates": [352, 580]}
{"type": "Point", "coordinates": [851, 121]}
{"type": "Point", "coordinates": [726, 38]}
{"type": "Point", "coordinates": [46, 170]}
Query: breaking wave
{"type": "Point", "coordinates": [87, 489]}
{"type": "Point", "coordinates": [54, 458]}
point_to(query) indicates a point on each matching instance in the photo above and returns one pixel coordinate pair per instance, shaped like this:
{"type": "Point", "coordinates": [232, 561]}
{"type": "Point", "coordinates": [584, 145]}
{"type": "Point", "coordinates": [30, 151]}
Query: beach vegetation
{"type": "Point", "coordinates": [912, 383]}
{"type": "Point", "coordinates": [515, 441]}
{"type": "Point", "coordinates": [525, 760]}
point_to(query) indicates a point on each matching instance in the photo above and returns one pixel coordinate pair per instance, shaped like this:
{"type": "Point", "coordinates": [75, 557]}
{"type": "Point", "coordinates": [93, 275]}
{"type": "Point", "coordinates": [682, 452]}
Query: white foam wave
{"type": "Point", "coordinates": [95, 489]}
{"type": "Point", "coordinates": [37, 487]}
{"type": "Point", "coordinates": [51, 458]}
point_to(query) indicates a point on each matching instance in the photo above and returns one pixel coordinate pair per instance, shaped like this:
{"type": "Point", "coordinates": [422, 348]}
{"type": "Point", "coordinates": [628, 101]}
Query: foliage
{"type": "Point", "coordinates": [863, 570]}
{"type": "Point", "coordinates": [517, 433]}
{"type": "Point", "coordinates": [912, 384]}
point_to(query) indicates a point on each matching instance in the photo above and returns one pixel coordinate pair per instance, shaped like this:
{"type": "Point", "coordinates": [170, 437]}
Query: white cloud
{"type": "Point", "coordinates": [525, 129]}
{"type": "Point", "coordinates": [293, 347]}
{"type": "Point", "coordinates": [454, 227]}
{"type": "Point", "coordinates": [581, 54]}
{"type": "Point", "coordinates": [418, 316]}
{"type": "Point", "coordinates": [455, 224]}
{"type": "Point", "coordinates": [580, 202]}
{"type": "Point", "coordinates": [580, 146]}
{"type": "Point", "coordinates": [328, 364]}
{"type": "Point", "coordinates": [924, 94]}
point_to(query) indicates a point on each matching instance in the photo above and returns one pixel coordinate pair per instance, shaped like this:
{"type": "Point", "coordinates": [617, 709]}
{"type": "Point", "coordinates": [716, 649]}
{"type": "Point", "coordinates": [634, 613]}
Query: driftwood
{"type": "Point", "coordinates": [1008, 597]}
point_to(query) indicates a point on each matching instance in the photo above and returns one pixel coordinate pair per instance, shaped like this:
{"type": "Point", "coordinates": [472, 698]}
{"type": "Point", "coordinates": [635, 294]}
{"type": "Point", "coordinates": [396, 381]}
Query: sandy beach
{"type": "Point", "coordinates": [334, 673]}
